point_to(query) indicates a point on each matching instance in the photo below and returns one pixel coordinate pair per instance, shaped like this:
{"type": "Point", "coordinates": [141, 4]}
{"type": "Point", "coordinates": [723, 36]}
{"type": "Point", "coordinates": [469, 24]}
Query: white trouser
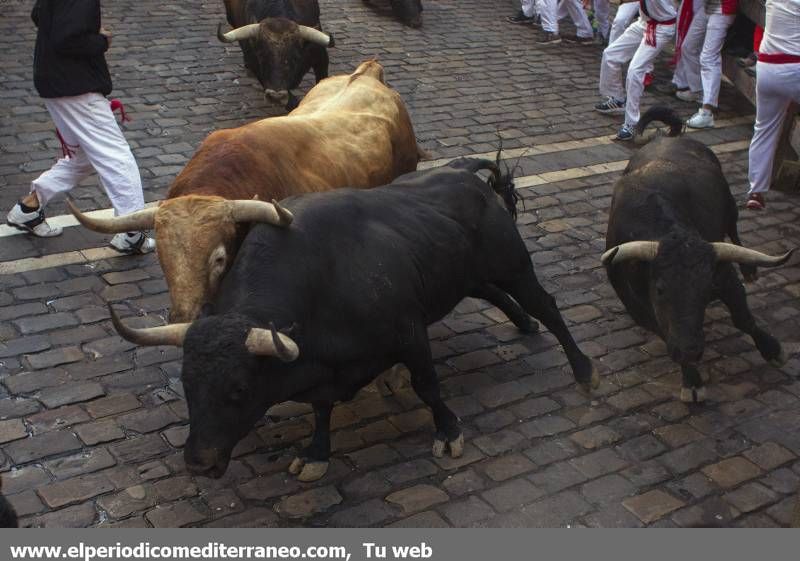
{"type": "Point", "coordinates": [573, 9]}
{"type": "Point", "coordinates": [626, 13]}
{"type": "Point", "coordinates": [90, 130]}
{"type": "Point", "coordinates": [777, 86]}
{"type": "Point", "coordinates": [631, 46]}
{"type": "Point", "coordinates": [687, 71]}
{"type": "Point", "coordinates": [711, 56]}
{"type": "Point", "coordinates": [602, 13]}
{"type": "Point", "coordinates": [529, 8]}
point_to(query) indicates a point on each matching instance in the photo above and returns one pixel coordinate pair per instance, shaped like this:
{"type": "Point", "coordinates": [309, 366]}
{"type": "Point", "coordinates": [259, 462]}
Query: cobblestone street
{"type": "Point", "coordinates": [92, 427]}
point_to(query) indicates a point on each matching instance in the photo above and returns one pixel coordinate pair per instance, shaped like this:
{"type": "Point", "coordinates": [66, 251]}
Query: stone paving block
{"type": "Point", "coordinates": [463, 483]}
{"type": "Point", "coordinates": [557, 510]}
{"type": "Point", "coordinates": [710, 513]}
{"type": "Point", "coordinates": [652, 505]}
{"type": "Point", "coordinates": [507, 467]}
{"type": "Point", "coordinates": [750, 496]}
{"type": "Point", "coordinates": [556, 477]}
{"type": "Point", "coordinates": [607, 489]}
{"type": "Point", "coordinates": [175, 488]}
{"type": "Point", "coordinates": [99, 432]}
{"type": "Point", "coordinates": [782, 480]}
{"type": "Point", "coordinates": [148, 420]}
{"type": "Point", "coordinates": [55, 357]}
{"type": "Point", "coordinates": [54, 419]}
{"type": "Point", "coordinates": [78, 516]}
{"type": "Point", "coordinates": [139, 449]}
{"type": "Point", "coordinates": [426, 519]}
{"type": "Point", "coordinates": [417, 498]}
{"type": "Point", "coordinates": [646, 473]}
{"type": "Point", "coordinates": [551, 451]}
{"type": "Point", "coordinates": [374, 456]}
{"type": "Point", "coordinates": [310, 502]}
{"type": "Point", "coordinates": [499, 442]}
{"type": "Point", "coordinates": [75, 490]}
{"type": "Point", "coordinates": [255, 517]}
{"type": "Point", "coordinates": [511, 494]}
{"type": "Point", "coordinates": [466, 512]}
{"type": "Point", "coordinates": [22, 479]}
{"type": "Point", "coordinates": [598, 463]}
{"type": "Point", "coordinates": [409, 471]}
{"type": "Point", "coordinates": [534, 407]}
{"type": "Point", "coordinates": [71, 393]}
{"type": "Point", "coordinates": [26, 503]}
{"type": "Point", "coordinates": [176, 515]}
{"type": "Point", "coordinates": [369, 513]}
{"type": "Point", "coordinates": [676, 436]}
{"type": "Point", "coordinates": [112, 405]}
{"type": "Point", "coordinates": [595, 437]}
{"type": "Point", "coordinates": [613, 516]}
{"type": "Point", "coordinates": [41, 446]}
{"type": "Point", "coordinates": [769, 455]}
{"type": "Point", "coordinates": [136, 498]}
{"type": "Point", "coordinates": [13, 429]}
{"type": "Point", "coordinates": [688, 457]}
{"type": "Point", "coordinates": [263, 488]}
{"type": "Point", "coordinates": [732, 471]}
{"type": "Point", "coordinates": [29, 382]}
{"type": "Point", "coordinates": [85, 462]}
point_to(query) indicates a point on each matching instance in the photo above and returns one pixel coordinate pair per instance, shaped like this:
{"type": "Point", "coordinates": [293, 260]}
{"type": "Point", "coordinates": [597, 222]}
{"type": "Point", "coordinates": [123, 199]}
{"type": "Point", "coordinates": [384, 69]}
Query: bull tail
{"type": "Point", "coordinates": [501, 180]}
{"type": "Point", "coordinates": [664, 114]}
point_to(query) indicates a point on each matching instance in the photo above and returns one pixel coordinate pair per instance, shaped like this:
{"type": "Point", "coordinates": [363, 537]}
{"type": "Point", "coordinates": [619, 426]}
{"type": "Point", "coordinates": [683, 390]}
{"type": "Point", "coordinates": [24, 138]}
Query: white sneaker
{"type": "Point", "coordinates": [687, 95]}
{"type": "Point", "coordinates": [703, 119]}
{"type": "Point", "coordinates": [133, 243]}
{"type": "Point", "coordinates": [32, 222]}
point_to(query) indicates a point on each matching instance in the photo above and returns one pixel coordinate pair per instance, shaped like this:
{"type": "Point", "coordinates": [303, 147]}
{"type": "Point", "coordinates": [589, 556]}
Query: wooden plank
{"type": "Point", "coordinates": [755, 10]}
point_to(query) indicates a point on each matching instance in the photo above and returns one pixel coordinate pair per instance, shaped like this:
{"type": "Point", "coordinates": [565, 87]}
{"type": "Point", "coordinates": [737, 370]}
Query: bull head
{"type": "Point", "coordinates": [273, 50]}
{"type": "Point", "coordinates": [197, 241]}
{"type": "Point", "coordinates": [680, 283]}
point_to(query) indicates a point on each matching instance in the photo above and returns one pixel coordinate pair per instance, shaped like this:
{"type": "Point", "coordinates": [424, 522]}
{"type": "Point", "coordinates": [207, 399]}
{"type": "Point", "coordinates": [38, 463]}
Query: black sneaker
{"type": "Point", "coordinates": [521, 19]}
{"type": "Point", "coordinates": [579, 40]}
{"type": "Point", "coordinates": [611, 106]}
{"type": "Point", "coordinates": [550, 39]}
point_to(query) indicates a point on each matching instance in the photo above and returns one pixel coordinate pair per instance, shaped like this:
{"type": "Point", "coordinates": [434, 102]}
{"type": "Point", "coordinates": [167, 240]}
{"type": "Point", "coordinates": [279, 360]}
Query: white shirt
{"type": "Point", "coordinates": [782, 31]}
{"type": "Point", "coordinates": [659, 10]}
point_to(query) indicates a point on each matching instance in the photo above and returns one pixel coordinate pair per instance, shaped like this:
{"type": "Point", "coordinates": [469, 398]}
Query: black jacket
{"type": "Point", "coordinates": [69, 56]}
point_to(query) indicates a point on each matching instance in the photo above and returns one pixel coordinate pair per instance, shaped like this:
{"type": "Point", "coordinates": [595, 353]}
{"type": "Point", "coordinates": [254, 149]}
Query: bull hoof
{"type": "Point", "coordinates": [693, 395]}
{"type": "Point", "coordinates": [456, 447]}
{"type": "Point", "coordinates": [594, 381]}
{"type": "Point", "coordinates": [529, 328]}
{"type": "Point", "coordinates": [779, 360]}
{"type": "Point", "coordinates": [308, 471]}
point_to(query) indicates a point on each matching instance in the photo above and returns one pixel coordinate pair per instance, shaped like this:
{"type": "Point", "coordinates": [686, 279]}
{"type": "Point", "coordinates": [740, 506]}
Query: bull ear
{"type": "Point", "coordinates": [630, 251]}
{"type": "Point", "coordinates": [268, 342]}
{"type": "Point", "coordinates": [730, 253]}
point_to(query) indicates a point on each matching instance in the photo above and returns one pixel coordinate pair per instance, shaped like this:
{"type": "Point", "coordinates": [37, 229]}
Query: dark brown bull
{"type": "Point", "coordinates": [281, 40]}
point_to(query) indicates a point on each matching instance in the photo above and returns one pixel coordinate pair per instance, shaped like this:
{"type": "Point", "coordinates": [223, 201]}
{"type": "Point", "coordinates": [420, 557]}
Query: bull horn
{"type": "Point", "coordinates": [640, 251]}
{"type": "Point", "coordinates": [248, 31]}
{"type": "Point", "coordinates": [172, 334]}
{"type": "Point", "coordinates": [268, 342]}
{"type": "Point", "coordinates": [314, 35]}
{"type": "Point", "coordinates": [730, 253]}
{"type": "Point", "coordinates": [140, 220]}
{"type": "Point", "coordinates": [259, 211]}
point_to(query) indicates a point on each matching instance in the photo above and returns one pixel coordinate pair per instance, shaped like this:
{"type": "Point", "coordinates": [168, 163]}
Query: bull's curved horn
{"type": "Point", "coordinates": [731, 253]}
{"type": "Point", "coordinates": [248, 31]}
{"type": "Point", "coordinates": [260, 211]}
{"type": "Point", "coordinates": [314, 36]}
{"type": "Point", "coordinates": [268, 342]}
{"type": "Point", "coordinates": [140, 220]}
{"type": "Point", "coordinates": [172, 334]}
{"type": "Point", "coordinates": [640, 251]}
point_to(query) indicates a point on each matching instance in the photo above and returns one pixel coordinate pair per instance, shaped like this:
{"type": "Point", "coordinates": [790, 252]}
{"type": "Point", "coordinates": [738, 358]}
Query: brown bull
{"type": "Point", "coordinates": [350, 130]}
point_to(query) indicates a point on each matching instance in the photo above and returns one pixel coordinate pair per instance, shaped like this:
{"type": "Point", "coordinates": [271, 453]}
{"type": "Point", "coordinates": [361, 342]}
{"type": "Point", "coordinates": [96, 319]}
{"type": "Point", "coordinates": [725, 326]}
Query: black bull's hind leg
{"type": "Point", "coordinates": [730, 290]}
{"type": "Point", "coordinates": [537, 302]}
{"type": "Point", "coordinates": [312, 463]}
{"type": "Point", "coordinates": [426, 384]}
{"type": "Point", "coordinates": [692, 389]}
{"type": "Point", "coordinates": [501, 300]}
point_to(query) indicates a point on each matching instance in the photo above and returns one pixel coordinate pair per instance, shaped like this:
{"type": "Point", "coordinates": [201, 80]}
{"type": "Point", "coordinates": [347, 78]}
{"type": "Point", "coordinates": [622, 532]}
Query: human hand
{"type": "Point", "coordinates": [107, 34]}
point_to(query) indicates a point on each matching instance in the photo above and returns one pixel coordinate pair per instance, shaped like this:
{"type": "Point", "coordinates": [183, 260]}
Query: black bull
{"type": "Point", "coordinates": [666, 258]}
{"type": "Point", "coordinates": [351, 287]}
{"type": "Point", "coordinates": [278, 54]}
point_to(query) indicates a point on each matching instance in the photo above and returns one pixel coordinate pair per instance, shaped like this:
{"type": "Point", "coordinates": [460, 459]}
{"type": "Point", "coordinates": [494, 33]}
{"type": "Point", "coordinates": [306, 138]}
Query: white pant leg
{"type": "Point", "coordinates": [687, 72]}
{"type": "Point", "coordinates": [626, 13]}
{"type": "Point", "coordinates": [641, 64]}
{"type": "Point", "coordinates": [711, 56]}
{"type": "Point", "coordinates": [548, 10]}
{"type": "Point", "coordinates": [602, 13]}
{"type": "Point", "coordinates": [574, 9]}
{"type": "Point", "coordinates": [89, 122]}
{"type": "Point", "coordinates": [614, 57]}
{"type": "Point", "coordinates": [529, 8]}
{"type": "Point", "coordinates": [64, 176]}
{"type": "Point", "coordinates": [777, 86]}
